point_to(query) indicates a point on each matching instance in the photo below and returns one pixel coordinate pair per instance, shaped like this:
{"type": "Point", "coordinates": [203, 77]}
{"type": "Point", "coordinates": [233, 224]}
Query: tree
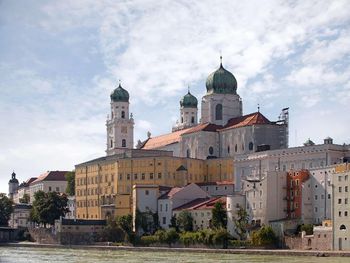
{"type": "Point", "coordinates": [174, 224]}
{"type": "Point", "coordinates": [125, 223]}
{"type": "Point", "coordinates": [241, 222]}
{"type": "Point", "coordinates": [219, 216]}
{"type": "Point", "coordinates": [25, 199]}
{"type": "Point", "coordinates": [308, 228]}
{"type": "Point", "coordinates": [185, 221]}
{"type": "Point", "coordinates": [47, 207]}
{"type": "Point", "coordinates": [70, 177]}
{"type": "Point", "coordinates": [264, 237]}
{"type": "Point", "coordinates": [113, 232]}
{"type": "Point", "coordinates": [6, 209]}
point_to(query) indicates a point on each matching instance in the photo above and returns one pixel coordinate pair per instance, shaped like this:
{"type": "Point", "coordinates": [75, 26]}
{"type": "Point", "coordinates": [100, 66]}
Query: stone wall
{"type": "Point", "coordinates": [49, 236]}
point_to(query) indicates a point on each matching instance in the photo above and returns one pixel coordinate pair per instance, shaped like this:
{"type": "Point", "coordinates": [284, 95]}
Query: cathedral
{"type": "Point", "coordinates": [221, 132]}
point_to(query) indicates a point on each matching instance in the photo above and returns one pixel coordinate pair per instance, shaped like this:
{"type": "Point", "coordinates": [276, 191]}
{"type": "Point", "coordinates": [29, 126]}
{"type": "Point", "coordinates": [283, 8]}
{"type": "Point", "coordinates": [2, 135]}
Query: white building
{"type": "Point", "coordinates": [233, 204]}
{"type": "Point", "coordinates": [177, 197]}
{"type": "Point", "coordinates": [51, 181]}
{"type": "Point", "coordinates": [297, 158]}
{"type": "Point", "coordinates": [341, 208]}
{"type": "Point", "coordinates": [71, 205]}
{"type": "Point", "coordinates": [221, 188]}
{"type": "Point", "coordinates": [23, 189]}
{"type": "Point", "coordinates": [20, 216]}
{"type": "Point", "coordinates": [265, 197]}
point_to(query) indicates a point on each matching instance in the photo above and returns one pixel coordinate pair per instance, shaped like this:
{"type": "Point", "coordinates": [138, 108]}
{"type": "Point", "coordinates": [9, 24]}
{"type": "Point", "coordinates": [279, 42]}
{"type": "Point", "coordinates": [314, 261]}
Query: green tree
{"type": "Point", "coordinates": [308, 228]}
{"type": "Point", "coordinates": [70, 177]}
{"type": "Point", "coordinates": [241, 223]}
{"type": "Point", "coordinates": [47, 207]}
{"type": "Point", "coordinates": [25, 199]}
{"type": "Point", "coordinates": [5, 209]}
{"type": "Point", "coordinates": [125, 223]}
{"type": "Point", "coordinates": [185, 221]}
{"type": "Point", "coordinates": [264, 237]}
{"type": "Point", "coordinates": [113, 232]}
{"type": "Point", "coordinates": [219, 216]}
{"type": "Point", "coordinates": [174, 224]}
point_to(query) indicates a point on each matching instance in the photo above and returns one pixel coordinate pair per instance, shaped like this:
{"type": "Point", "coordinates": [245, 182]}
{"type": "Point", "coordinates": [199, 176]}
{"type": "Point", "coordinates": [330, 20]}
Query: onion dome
{"type": "Point", "coordinates": [221, 81]}
{"type": "Point", "coordinates": [120, 94]}
{"type": "Point", "coordinates": [309, 143]}
{"type": "Point", "coordinates": [189, 101]}
{"type": "Point", "coordinates": [13, 178]}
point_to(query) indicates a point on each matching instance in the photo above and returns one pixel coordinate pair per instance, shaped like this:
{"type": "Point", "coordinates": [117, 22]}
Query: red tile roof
{"type": "Point", "coordinates": [164, 140]}
{"type": "Point", "coordinates": [202, 203]}
{"type": "Point", "coordinates": [51, 176]}
{"type": "Point", "coordinates": [209, 127]}
{"type": "Point", "coordinates": [246, 120]}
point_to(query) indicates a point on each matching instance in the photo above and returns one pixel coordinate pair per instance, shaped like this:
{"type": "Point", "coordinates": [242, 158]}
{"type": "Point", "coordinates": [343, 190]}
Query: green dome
{"type": "Point", "coordinates": [189, 101]}
{"type": "Point", "coordinates": [221, 81]}
{"type": "Point", "coordinates": [120, 94]}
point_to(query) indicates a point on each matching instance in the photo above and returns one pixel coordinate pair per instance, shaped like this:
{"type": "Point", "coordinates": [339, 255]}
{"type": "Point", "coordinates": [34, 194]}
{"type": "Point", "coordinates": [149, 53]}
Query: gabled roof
{"type": "Point", "coordinates": [28, 182]}
{"type": "Point", "coordinates": [163, 140]}
{"type": "Point", "coordinates": [51, 176]}
{"type": "Point", "coordinates": [246, 120]}
{"type": "Point", "coordinates": [181, 168]}
{"type": "Point", "coordinates": [201, 203]}
{"type": "Point", "coordinates": [170, 193]}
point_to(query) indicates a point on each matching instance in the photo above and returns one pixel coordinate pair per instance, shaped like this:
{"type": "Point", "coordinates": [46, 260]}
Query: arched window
{"type": "Point", "coordinates": [111, 143]}
{"type": "Point", "coordinates": [218, 112]}
{"type": "Point", "coordinates": [228, 149]}
{"type": "Point", "coordinates": [123, 143]}
{"type": "Point", "coordinates": [188, 153]}
{"type": "Point", "coordinates": [182, 120]}
{"type": "Point", "coordinates": [236, 148]}
{"type": "Point", "coordinates": [342, 227]}
{"type": "Point", "coordinates": [192, 119]}
{"type": "Point", "coordinates": [123, 114]}
{"type": "Point", "coordinates": [211, 150]}
{"type": "Point", "coordinates": [251, 146]}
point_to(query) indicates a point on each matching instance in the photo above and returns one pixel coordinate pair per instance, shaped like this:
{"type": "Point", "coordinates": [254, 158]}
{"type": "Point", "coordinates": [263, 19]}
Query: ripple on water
{"type": "Point", "coordinates": [38, 255]}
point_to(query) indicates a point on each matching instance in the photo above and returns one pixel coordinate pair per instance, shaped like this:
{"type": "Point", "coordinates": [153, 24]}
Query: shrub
{"type": "Point", "coordinates": [239, 243]}
{"type": "Point", "coordinates": [308, 228]}
{"type": "Point", "coordinates": [221, 237]}
{"type": "Point", "coordinates": [264, 237]}
{"type": "Point", "coordinates": [187, 238]}
{"type": "Point", "coordinates": [149, 240]}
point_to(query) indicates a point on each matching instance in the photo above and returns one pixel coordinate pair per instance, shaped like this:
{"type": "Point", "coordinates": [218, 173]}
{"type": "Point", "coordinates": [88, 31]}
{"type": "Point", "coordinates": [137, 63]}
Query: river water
{"type": "Point", "coordinates": [38, 255]}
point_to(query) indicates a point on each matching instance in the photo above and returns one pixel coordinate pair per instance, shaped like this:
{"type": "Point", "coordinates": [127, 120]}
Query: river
{"type": "Point", "coordinates": [38, 255]}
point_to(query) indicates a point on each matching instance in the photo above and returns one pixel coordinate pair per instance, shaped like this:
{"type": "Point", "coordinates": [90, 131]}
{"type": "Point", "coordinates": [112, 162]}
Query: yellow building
{"type": "Point", "coordinates": [104, 185]}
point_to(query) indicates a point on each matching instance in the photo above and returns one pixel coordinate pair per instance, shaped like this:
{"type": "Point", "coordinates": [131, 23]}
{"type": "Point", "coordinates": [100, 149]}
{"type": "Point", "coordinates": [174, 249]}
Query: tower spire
{"type": "Point", "coordinates": [188, 89]}
{"type": "Point", "coordinates": [258, 107]}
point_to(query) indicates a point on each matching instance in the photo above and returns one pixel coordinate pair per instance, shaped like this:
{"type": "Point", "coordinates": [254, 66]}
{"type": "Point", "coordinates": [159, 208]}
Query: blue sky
{"type": "Point", "coordinates": [60, 60]}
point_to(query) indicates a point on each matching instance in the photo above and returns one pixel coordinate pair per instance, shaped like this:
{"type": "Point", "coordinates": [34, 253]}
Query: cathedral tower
{"type": "Point", "coordinates": [221, 102]}
{"type": "Point", "coordinates": [120, 125]}
{"type": "Point", "coordinates": [13, 185]}
{"type": "Point", "coordinates": [188, 112]}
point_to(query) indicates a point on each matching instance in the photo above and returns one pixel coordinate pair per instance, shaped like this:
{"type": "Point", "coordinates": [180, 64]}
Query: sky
{"type": "Point", "coordinates": [60, 60]}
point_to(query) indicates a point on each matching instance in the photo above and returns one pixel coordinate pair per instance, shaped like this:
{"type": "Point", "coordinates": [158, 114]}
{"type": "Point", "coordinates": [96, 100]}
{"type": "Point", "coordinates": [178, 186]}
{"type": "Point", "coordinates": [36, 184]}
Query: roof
{"type": "Point", "coordinates": [181, 168]}
{"type": "Point", "coordinates": [170, 193]}
{"type": "Point", "coordinates": [51, 176]}
{"type": "Point", "coordinates": [215, 183]}
{"type": "Point", "coordinates": [209, 127]}
{"type": "Point", "coordinates": [202, 203]}
{"type": "Point", "coordinates": [246, 120]}
{"type": "Point", "coordinates": [28, 182]}
{"type": "Point", "coordinates": [164, 140]}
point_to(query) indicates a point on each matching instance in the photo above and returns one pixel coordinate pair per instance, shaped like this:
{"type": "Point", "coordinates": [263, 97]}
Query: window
{"type": "Point", "coordinates": [120, 177]}
{"type": "Point", "coordinates": [188, 153]}
{"type": "Point", "coordinates": [159, 175]}
{"type": "Point", "coordinates": [123, 114]}
{"type": "Point", "coordinates": [164, 220]}
{"type": "Point", "coordinates": [339, 201]}
{"type": "Point", "coordinates": [111, 143]}
{"type": "Point", "coordinates": [218, 112]}
{"type": "Point", "coordinates": [151, 176]}
{"type": "Point", "coordinates": [251, 146]}
{"type": "Point", "coordinates": [236, 148]}
{"type": "Point", "coordinates": [339, 189]}
{"type": "Point", "coordinates": [346, 189]}
{"type": "Point", "coordinates": [192, 119]}
{"type": "Point", "coordinates": [135, 176]}
{"type": "Point", "coordinates": [143, 176]}
{"type": "Point", "coordinates": [346, 201]}
{"type": "Point", "coordinates": [346, 213]}
{"type": "Point", "coordinates": [161, 207]}
{"type": "Point", "coordinates": [315, 197]}
{"type": "Point", "coordinates": [329, 196]}
{"type": "Point", "coordinates": [166, 207]}
{"type": "Point", "coordinates": [339, 213]}
{"type": "Point", "coordinates": [228, 149]}
{"type": "Point", "coordinates": [342, 227]}
{"type": "Point", "coordinates": [146, 192]}
{"type": "Point", "coordinates": [50, 189]}
{"type": "Point", "coordinates": [211, 150]}
{"type": "Point", "coordinates": [123, 143]}
{"type": "Point", "coordinates": [128, 176]}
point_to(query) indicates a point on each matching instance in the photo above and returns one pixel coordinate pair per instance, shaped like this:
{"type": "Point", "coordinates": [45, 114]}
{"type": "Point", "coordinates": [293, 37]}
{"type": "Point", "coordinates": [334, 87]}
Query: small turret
{"type": "Point", "coordinates": [13, 185]}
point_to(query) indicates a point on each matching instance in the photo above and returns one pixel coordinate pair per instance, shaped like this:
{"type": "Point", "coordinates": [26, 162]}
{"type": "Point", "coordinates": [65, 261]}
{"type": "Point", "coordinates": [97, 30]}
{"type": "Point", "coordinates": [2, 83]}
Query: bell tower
{"type": "Point", "coordinates": [120, 124]}
{"type": "Point", "coordinates": [188, 112]}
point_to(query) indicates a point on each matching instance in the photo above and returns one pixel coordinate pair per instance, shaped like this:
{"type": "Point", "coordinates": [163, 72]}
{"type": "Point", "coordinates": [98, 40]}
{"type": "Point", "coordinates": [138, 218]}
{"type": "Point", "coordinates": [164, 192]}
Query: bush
{"type": "Point", "coordinates": [308, 228]}
{"type": "Point", "coordinates": [221, 237]}
{"type": "Point", "coordinates": [149, 240]}
{"type": "Point", "coordinates": [187, 238]}
{"type": "Point", "coordinates": [264, 237]}
{"type": "Point", "coordinates": [239, 243]}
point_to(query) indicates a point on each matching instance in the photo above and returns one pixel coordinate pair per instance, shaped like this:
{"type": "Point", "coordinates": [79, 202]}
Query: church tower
{"type": "Point", "coordinates": [13, 185]}
{"type": "Point", "coordinates": [221, 103]}
{"type": "Point", "coordinates": [120, 125]}
{"type": "Point", "coordinates": [188, 112]}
